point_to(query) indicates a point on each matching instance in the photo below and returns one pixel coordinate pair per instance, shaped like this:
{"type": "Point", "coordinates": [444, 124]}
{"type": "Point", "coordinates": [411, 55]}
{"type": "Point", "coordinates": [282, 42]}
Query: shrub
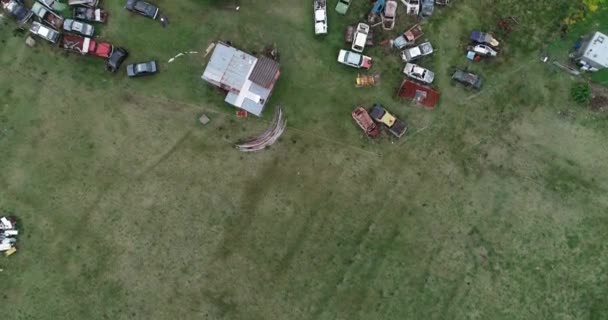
{"type": "Point", "coordinates": [581, 93]}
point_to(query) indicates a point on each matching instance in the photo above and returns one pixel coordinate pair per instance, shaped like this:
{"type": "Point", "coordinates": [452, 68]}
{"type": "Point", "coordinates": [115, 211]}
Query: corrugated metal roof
{"type": "Point", "coordinates": [249, 79]}
{"type": "Point", "coordinates": [229, 66]}
{"type": "Point", "coordinates": [597, 50]}
{"type": "Point", "coordinates": [238, 70]}
{"type": "Point", "coordinates": [252, 107]}
{"type": "Point", "coordinates": [220, 59]}
{"type": "Point", "coordinates": [265, 72]}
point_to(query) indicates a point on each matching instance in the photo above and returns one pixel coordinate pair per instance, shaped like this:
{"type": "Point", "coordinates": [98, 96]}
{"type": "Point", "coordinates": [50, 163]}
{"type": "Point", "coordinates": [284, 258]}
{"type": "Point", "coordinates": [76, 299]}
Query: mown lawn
{"type": "Point", "coordinates": [492, 207]}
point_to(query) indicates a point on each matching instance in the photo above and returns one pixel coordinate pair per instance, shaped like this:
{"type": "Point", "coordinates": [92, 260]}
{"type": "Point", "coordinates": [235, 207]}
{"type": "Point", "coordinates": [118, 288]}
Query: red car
{"type": "Point", "coordinates": [100, 49]}
{"type": "Point", "coordinates": [85, 45]}
{"type": "Point", "coordinates": [365, 122]}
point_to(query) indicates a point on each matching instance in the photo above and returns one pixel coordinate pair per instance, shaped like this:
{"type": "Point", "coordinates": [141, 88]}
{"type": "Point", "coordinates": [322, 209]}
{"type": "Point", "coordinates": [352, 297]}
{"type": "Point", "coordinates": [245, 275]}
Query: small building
{"type": "Point", "coordinates": [592, 53]}
{"type": "Point", "coordinates": [248, 80]}
{"type": "Point", "coordinates": [419, 94]}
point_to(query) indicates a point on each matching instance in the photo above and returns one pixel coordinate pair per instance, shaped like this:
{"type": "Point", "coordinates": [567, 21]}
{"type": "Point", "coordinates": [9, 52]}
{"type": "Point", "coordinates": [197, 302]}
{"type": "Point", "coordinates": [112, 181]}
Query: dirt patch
{"type": "Point", "coordinates": [599, 98]}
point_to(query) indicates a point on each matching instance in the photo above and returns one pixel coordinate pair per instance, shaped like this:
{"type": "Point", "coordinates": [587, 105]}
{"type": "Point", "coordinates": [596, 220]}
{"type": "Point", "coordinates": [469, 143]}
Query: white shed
{"type": "Point", "coordinates": [593, 53]}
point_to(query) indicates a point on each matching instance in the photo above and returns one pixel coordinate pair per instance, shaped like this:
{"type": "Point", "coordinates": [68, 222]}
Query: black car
{"type": "Point", "coordinates": [142, 7]}
{"type": "Point", "coordinates": [116, 59]}
{"type": "Point", "coordinates": [17, 10]}
{"type": "Point", "coordinates": [142, 69]}
{"type": "Point", "coordinates": [468, 79]}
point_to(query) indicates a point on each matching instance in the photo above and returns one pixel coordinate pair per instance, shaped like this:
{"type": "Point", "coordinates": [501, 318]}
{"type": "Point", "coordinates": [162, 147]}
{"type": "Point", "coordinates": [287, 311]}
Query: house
{"type": "Point", "coordinates": [420, 94]}
{"type": "Point", "coordinates": [592, 53]}
{"type": "Point", "coordinates": [248, 80]}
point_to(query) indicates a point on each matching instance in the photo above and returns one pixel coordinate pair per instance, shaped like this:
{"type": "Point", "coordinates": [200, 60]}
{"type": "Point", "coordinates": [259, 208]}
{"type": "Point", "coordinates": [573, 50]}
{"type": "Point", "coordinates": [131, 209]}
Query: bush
{"type": "Point", "coordinates": [581, 93]}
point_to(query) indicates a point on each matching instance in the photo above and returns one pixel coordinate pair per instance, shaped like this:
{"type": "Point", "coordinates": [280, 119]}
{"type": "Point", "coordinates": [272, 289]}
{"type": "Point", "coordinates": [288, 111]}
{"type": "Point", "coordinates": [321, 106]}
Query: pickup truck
{"type": "Point", "coordinates": [86, 46]}
{"type": "Point", "coordinates": [47, 16]}
{"type": "Point", "coordinates": [365, 122]}
{"type": "Point", "coordinates": [320, 10]}
{"type": "Point", "coordinates": [409, 37]}
{"type": "Point", "coordinates": [411, 54]}
{"type": "Point", "coordinates": [484, 38]}
{"type": "Point", "coordinates": [355, 60]}
{"type": "Point", "coordinates": [382, 116]}
{"type": "Point", "coordinates": [44, 32]}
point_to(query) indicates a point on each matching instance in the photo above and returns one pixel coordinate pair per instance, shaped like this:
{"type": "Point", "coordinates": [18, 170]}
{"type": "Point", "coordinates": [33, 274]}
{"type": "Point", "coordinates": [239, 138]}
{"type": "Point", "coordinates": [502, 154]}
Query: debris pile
{"type": "Point", "coordinates": [367, 80]}
{"type": "Point", "coordinates": [8, 235]}
{"type": "Point", "coordinates": [267, 138]}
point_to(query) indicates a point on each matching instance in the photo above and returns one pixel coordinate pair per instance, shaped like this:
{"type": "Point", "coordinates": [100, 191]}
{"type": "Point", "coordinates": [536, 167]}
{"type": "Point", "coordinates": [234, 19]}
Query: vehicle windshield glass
{"type": "Point", "coordinates": [353, 58]}
{"type": "Point", "coordinates": [140, 6]}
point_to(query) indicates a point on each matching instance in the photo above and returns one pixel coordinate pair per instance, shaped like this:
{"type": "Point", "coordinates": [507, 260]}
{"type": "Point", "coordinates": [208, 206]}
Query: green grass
{"type": "Point", "coordinates": [492, 207]}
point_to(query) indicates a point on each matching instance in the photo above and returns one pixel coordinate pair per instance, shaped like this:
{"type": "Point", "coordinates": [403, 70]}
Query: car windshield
{"type": "Point", "coordinates": [414, 52]}
{"type": "Point", "coordinates": [353, 58]}
{"type": "Point", "coordinates": [145, 7]}
{"type": "Point", "coordinates": [142, 67]}
{"type": "Point", "coordinates": [426, 48]}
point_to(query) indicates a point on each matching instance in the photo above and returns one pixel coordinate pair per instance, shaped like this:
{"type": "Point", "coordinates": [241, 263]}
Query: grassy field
{"type": "Point", "coordinates": [492, 207]}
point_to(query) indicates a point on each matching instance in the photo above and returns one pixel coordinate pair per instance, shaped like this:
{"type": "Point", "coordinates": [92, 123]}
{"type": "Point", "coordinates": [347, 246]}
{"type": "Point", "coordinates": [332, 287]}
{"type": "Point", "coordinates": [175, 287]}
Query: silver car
{"type": "Point", "coordinates": [142, 69]}
{"type": "Point", "coordinates": [78, 27]}
{"type": "Point", "coordinates": [86, 3]}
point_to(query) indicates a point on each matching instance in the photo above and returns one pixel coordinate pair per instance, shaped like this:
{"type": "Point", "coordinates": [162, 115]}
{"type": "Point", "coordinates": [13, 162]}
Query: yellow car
{"type": "Point", "coordinates": [395, 126]}
{"type": "Point", "coordinates": [382, 116]}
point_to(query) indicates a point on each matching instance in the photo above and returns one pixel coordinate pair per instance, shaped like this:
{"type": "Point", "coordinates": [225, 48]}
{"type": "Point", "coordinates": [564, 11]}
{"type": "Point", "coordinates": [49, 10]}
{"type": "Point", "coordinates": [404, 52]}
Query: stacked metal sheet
{"type": "Point", "coordinates": [8, 235]}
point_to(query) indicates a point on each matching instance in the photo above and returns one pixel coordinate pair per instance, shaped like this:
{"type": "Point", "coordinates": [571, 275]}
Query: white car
{"type": "Point", "coordinates": [355, 60]}
{"type": "Point", "coordinates": [320, 7]}
{"type": "Point", "coordinates": [44, 32]}
{"type": "Point", "coordinates": [419, 73]}
{"type": "Point", "coordinates": [411, 54]}
{"type": "Point", "coordinates": [360, 37]}
{"type": "Point", "coordinates": [484, 50]}
{"type": "Point", "coordinates": [78, 27]}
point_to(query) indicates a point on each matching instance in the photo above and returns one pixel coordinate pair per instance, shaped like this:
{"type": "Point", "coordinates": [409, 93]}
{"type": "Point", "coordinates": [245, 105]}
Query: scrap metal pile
{"type": "Point", "coordinates": [8, 235]}
{"type": "Point", "coordinates": [267, 138]}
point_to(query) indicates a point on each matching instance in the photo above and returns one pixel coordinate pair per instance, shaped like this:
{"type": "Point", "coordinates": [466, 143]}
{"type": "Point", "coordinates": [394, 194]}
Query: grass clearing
{"type": "Point", "coordinates": [492, 207]}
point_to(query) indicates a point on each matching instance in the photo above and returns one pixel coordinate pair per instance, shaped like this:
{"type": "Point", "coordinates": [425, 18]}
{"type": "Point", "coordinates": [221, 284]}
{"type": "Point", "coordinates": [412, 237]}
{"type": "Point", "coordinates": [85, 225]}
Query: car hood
{"type": "Point", "coordinates": [367, 63]}
{"type": "Point", "coordinates": [341, 7]}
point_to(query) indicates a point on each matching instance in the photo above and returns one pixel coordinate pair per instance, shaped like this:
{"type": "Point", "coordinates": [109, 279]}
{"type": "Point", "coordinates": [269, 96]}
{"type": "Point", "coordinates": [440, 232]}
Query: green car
{"type": "Point", "coordinates": [342, 6]}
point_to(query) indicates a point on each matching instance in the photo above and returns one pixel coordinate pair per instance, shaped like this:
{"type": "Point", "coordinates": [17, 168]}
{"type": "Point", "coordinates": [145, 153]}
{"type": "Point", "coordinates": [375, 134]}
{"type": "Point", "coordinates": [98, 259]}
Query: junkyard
{"type": "Point", "coordinates": [319, 159]}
